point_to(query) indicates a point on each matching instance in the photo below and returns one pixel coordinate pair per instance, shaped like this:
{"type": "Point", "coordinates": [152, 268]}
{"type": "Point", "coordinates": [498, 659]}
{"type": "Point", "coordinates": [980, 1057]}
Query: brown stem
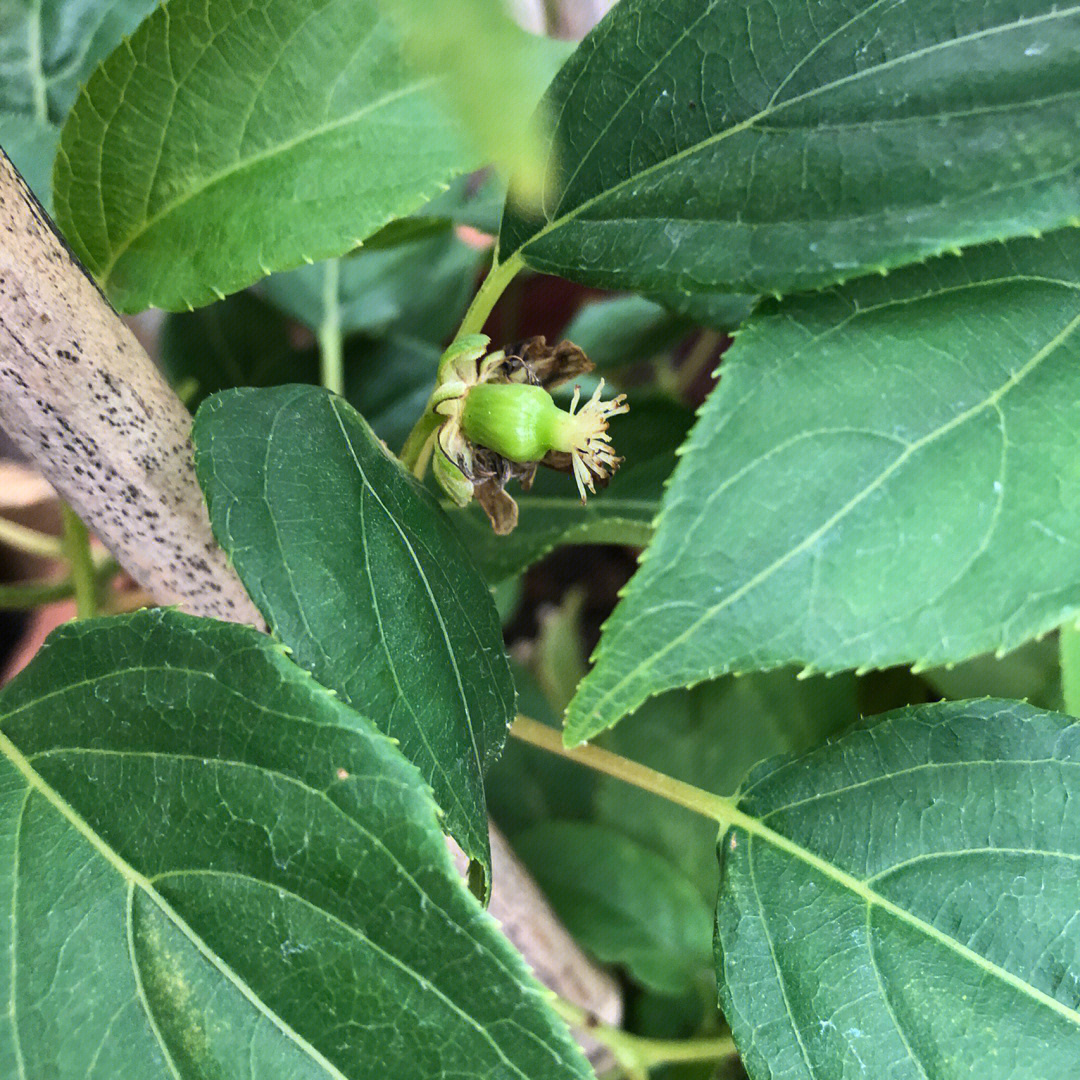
{"type": "Point", "coordinates": [81, 398]}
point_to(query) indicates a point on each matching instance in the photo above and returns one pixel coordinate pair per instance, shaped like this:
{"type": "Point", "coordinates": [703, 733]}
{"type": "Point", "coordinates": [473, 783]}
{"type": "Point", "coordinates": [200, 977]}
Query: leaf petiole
{"type": "Point", "coordinates": [636, 1054]}
{"type": "Point", "coordinates": [81, 561]}
{"type": "Point", "coordinates": [22, 538]}
{"type": "Point", "coordinates": [701, 802]}
{"type": "Point", "coordinates": [1069, 646]}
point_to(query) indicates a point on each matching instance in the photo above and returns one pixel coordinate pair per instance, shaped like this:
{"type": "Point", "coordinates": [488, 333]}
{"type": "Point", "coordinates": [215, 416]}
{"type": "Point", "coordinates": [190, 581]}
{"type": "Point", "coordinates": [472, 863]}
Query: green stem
{"type": "Point", "coordinates": [33, 594]}
{"type": "Point", "coordinates": [1069, 651]}
{"type": "Point", "coordinates": [415, 453]}
{"type": "Point", "coordinates": [636, 1054]}
{"type": "Point", "coordinates": [331, 350]}
{"type": "Point", "coordinates": [701, 802]}
{"type": "Point", "coordinates": [23, 595]}
{"type": "Point", "coordinates": [30, 540]}
{"type": "Point", "coordinates": [81, 561]}
{"type": "Point", "coordinates": [494, 285]}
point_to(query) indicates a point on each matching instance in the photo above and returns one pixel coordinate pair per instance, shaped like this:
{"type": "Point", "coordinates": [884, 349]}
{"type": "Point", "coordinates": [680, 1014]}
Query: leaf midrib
{"type": "Point", "coordinates": [374, 839]}
{"type": "Point", "coordinates": [770, 110]}
{"type": "Point", "coordinates": [728, 814]}
{"type": "Point", "coordinates": [253, 159]}
{"type": "Point", "coordinates": [765, 573]}
{"type": "Point", "coordinates": [134, 880]}
{"type": "Point", "coordinates": [15, 1038]}
{"type": "Point", "coordinates": [469, 722]}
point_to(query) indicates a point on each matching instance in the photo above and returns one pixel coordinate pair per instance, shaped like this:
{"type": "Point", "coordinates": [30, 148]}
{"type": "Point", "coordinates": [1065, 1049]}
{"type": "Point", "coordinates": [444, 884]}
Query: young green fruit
{"type": "Point", "coordinates": [522, 423]}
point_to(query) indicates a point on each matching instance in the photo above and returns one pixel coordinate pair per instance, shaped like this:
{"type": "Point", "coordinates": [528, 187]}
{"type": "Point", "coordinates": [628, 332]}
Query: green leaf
{"type": "Point", "coordinates": [389, 380]}
{"type": "Point", "coordinates": [358, 571]}
{"type": "Point", "coordinates": [240, 341]}
{"type": "Point", "coordinates": [725, 312]}
{"type": "Point", "coordinates": [1031, 673]}
{"type": "Point", "coordinates": [493, 72]}
{"type": "Point", "coordinates": [31, 146]}
{"type": "Point", "coordinates": [774, 145]}
{"type": "Point", "coordinates": [902, 902]}
{"type": "Point", "coordinates": [225, 142]}
{"type": "Point", "coordinates": [857, 490]}
{"type": "Point", "coordinates": [210, 867]}
{"type": "Point", "coordinates": [475, 201]}
{"type": "Point", "coordinates": [552, 513]}
{"type": "Point", "coordinates": [622, 902]}
{"type": "Point", "coordinates": [711, 736]}
{"type": "Point", "coordinates": [420, 288]}
{"type": "Point", "coordinates": [625, 330]}
{"type": "Point", "coordinates": [243, 341]}
{"type": "Point", "coordinates": [47, 49]}
{"type": "Point", "coordinates": [527, 786]}
{"type": "Point", "coordinates": [397, 305]}
{"type": "Point", "coordinates": [558, 656]}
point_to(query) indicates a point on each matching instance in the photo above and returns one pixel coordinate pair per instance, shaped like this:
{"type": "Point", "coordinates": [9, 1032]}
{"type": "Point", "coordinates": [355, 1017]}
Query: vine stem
{"type": "Point", "coordinates": [331, 351]}
{"type": "Point", "coordinates": [30, 541]}
{"type": "Point", "coordinates": [32, 594]}
{"type": "Point", "coordinates": [494, 285]}
{"type": "Point", "coordinates": [701, 802]}
{"type": "Point", "coordinates": [415, 454]}
{"type": "Point", "coordinates": [25, 595]}
{"type": "Point", "coordinates": [637, 1054]}
{"type": "Point", "coordinates": [81, 561]}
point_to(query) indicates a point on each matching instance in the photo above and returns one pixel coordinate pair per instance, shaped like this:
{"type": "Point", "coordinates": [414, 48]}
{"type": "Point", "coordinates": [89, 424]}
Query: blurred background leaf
{"type": "Point", "coordinates": [47, 49]}
{"type": "Point", "coordinates": [495, 73]}
{"type": "Point", "coordinates": [419, 286]}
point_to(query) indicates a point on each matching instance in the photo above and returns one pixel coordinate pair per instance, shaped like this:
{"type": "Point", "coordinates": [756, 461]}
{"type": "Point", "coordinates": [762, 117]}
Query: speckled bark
{"type": "Point", "coordinates": [83, 400]}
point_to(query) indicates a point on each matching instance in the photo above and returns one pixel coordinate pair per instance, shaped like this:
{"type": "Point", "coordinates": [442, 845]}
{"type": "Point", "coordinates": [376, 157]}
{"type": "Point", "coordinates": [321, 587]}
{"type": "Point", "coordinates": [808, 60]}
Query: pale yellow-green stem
{"type": "Point", "coordinates": [494, 285]}
{"type": "Point", "coordinates": [637, 1054]}
{"type": "Point", "coordinates": [701, 802]}
{"type": "Point", "coordinates": [30, 541]}
{"type": "Point", "coordinates": [81, 562]}
{"type": "Point", "coordinates": [1069, 646]}
{"type": "Point", "coordinates": [331, 349]}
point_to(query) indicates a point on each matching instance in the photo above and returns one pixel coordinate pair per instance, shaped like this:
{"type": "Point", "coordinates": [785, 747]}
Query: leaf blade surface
{"type": "Point", "coordinates": [282, 132]}
{"type": "Point", "coordinates": [855, 491]}
{"type": "Point", "coordinates": [944, 950]}
{"type": "Point", "coordinates": [251, 878]}
{"type": "Point", "coordinates": [358, 572]}
{"type": "Point", "coordinates": [775, 147]}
